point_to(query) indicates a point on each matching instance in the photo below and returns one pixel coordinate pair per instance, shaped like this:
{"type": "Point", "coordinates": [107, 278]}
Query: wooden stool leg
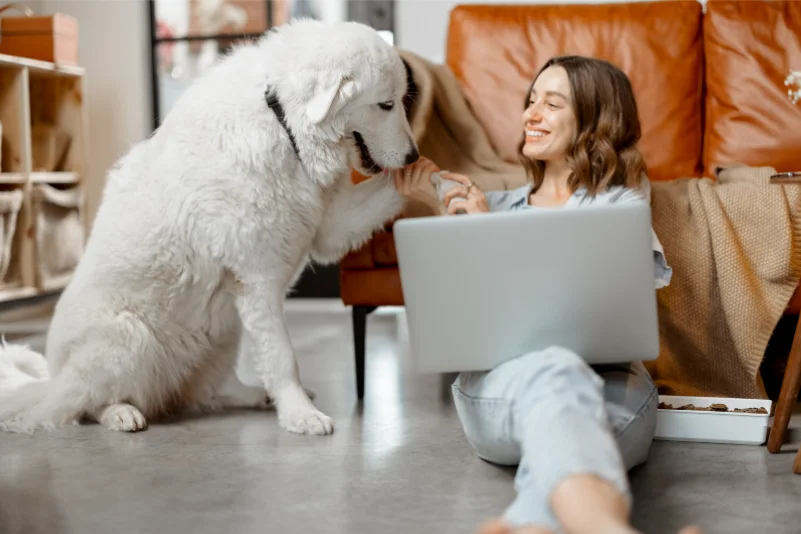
{"type": "Point", "coordinates": [791, 383]}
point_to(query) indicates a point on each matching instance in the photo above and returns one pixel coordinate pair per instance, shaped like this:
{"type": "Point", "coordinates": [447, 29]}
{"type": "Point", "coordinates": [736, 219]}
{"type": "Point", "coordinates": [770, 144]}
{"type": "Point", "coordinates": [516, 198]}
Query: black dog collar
{"type": "Point", "coordinates": [278, 109]}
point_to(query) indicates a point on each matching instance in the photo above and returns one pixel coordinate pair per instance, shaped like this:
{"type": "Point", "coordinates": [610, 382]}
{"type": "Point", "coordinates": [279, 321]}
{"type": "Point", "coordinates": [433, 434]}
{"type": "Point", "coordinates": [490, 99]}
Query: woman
{"type": "Point", "coordinates": [574, 431]}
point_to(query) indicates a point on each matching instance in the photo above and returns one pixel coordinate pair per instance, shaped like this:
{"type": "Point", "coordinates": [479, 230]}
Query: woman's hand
{"type": "Point", "coordinates": [414, 182]}
{"type": "Point", "coordinates": [475, 201]}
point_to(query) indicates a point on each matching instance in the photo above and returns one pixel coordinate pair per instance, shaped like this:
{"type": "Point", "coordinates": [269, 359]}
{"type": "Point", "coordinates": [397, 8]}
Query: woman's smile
{"type": "Point", "coordinates": [535, 134]}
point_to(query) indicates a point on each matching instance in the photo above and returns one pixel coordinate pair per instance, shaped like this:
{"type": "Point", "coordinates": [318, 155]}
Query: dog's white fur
{"type": "Point", "coordinates": [205, 226]}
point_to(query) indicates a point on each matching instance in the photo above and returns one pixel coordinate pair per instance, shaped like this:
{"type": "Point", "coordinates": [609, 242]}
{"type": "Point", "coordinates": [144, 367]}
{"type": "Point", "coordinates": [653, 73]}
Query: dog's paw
{"type": "Point", "coordinates": [122, 418]}
{"type": "Point", "coordinates": [307, 422]}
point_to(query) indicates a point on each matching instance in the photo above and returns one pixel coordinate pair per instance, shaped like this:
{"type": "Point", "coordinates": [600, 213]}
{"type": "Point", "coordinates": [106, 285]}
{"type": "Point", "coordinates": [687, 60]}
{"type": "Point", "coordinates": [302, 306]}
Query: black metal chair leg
{"type": "Point", "coordinates": [360, 314]}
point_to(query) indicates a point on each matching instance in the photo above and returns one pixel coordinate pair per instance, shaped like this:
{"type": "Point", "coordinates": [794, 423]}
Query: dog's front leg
{"type": "Point", "coordinates": [353, 214]}
{"type": "Point", "coordinates": [261, 307]}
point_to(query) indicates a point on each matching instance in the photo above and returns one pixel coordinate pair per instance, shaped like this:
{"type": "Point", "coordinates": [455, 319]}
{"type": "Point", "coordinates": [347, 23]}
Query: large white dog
{"type": "Point", "coordinates": [204, 227]}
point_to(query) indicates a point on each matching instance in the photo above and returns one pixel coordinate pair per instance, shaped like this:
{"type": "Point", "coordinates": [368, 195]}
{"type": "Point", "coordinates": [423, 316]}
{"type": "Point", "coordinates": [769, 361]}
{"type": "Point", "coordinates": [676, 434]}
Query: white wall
{"type": "Point", "coordinates": [421, 26]}
{"type": "Point", "coordinates": [113, 46]}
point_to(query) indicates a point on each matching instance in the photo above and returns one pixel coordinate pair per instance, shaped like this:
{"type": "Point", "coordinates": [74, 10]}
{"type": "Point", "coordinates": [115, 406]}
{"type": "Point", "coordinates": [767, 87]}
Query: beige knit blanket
{"type": "Point", "coordinates": [735, 248]}
{"type": "Point", "coordinates": [734, 244]}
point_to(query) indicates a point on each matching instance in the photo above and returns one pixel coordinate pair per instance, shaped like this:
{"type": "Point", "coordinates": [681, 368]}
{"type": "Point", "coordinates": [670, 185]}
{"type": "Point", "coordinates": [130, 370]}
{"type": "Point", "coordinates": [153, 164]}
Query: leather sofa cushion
{"type": "Point", "coordinates": [363, 287]}
{"type": "Point", "coordinates": [751, 48]}
{"type": "Point", "coordinates": [495, 51]}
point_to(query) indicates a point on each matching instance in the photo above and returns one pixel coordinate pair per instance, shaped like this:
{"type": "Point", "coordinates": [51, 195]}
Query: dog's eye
{"type": "Point", "coordinates": [386, 106]}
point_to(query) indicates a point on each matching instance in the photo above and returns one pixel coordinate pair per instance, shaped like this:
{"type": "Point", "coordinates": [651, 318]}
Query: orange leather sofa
{"type": "Point", "coordinates": [706, 84]}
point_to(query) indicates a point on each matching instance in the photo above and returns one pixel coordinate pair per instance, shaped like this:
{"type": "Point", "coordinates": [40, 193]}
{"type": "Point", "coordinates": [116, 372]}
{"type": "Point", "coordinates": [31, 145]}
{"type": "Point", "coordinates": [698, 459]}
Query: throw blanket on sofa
{"type": "Point", "coordinates": [735, 247]}
{"type": "Point", "coordinates": [734, 244]}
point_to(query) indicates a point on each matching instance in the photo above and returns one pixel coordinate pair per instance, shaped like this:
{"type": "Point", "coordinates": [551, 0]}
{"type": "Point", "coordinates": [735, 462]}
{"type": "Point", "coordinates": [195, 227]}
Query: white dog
{"type": "Point", "coordinates": [204, 227]}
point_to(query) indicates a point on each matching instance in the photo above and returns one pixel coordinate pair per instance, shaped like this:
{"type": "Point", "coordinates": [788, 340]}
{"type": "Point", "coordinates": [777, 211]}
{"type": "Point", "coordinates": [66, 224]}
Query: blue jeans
{"type": "Point", "coordinates": [552, 415]}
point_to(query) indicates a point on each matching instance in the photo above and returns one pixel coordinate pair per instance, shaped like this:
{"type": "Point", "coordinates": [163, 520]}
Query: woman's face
{"type": "Point", "coordinates": [549, 120]}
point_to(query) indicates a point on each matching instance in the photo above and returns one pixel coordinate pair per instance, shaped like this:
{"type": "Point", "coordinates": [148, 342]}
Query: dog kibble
{"type": "Point", "coordinates": [717, 407]}
{"type": "Point", "coordinates": [751, 410]}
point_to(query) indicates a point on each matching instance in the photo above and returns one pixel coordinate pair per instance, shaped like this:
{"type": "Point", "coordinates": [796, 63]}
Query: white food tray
{"type": "Point", "coordinates": [713, 427]}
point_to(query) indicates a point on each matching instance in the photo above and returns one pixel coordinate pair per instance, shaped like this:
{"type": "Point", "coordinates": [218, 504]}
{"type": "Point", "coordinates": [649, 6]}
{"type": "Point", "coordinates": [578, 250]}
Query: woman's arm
{"type": "Point", "coordinates": [479, 201]}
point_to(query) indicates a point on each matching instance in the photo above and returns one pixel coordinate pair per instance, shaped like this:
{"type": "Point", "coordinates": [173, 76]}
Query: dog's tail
{"type": "Point", "coordinates": [29, 399]}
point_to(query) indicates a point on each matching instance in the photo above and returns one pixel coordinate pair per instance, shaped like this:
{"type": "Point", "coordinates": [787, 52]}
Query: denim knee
{"type": "Point", "coordinates": [487, 402]}
{"type": "Point", "coordinates": [560, 374]}
{"type": "Point", "coordinates": [488, 426]}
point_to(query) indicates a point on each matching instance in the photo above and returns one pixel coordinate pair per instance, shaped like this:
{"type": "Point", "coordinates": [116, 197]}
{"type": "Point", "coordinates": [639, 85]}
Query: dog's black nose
{"type": "Point", "coordinates": [412, 156]}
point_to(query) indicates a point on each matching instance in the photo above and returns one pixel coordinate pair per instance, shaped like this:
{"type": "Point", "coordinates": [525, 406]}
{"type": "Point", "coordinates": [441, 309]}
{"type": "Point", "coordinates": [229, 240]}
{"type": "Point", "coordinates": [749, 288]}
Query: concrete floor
{"type": "Point", "coordinates": [396, 464]}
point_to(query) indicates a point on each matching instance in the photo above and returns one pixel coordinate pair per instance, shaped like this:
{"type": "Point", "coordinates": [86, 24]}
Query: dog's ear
{"type": "Point", "coordinates": [330, 98]}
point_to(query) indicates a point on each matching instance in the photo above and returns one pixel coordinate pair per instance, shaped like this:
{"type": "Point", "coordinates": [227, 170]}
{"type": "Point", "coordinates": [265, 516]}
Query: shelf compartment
{"type": "Point", "coordinates": [12, 237]}
{"type": "Point", "coordinates": [59, 235]}
{"type": "Point", "coordinates": [13, 118]}
{"type": "Point", "coordinates": [56, 123]}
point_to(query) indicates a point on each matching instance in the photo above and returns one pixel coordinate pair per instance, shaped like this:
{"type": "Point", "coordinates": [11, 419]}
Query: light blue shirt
{"type": "Point", "coordinates": [517, 199]}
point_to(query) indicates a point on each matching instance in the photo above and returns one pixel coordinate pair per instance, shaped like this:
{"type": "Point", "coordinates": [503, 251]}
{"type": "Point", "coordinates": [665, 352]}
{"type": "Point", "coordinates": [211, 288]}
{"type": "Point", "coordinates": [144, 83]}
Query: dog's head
{"type": "Point", "coordinates": [356, 97]}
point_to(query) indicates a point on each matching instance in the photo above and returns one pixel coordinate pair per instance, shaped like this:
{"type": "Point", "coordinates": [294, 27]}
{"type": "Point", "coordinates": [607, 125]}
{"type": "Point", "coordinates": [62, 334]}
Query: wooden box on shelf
{"type": "Point", "coordinates": [52, 38]}
{"type": "Point", "coordinates": [42, 161]}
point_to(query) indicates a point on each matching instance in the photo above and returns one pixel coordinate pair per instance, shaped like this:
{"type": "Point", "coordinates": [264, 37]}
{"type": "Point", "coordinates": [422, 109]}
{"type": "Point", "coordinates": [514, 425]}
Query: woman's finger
{"type": "Point", "coordinates": [425, 162]}
{"type": "Point", "coordinates": [423, 175]}
{"type": "Point", "coordinates": [459, 205]}
{"type": "Point", "coordinates": [457, 191]}
{"type": "Point", "coordinates": [475, 194]}
{"type": "Point", "coordinates": [416, 173]}
{"type": "Point", "coordinates": [426, 169]}
{"type": "Point", "coordinates": [403, 178]}
{"type": "Point", "coordinates": [421, 160]}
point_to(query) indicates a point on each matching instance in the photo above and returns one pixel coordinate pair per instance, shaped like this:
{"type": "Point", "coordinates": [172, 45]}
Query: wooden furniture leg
{"type": "Point", "coordinates": [791, 383]}
{"type": "Point", "coordinates": [360, 314]}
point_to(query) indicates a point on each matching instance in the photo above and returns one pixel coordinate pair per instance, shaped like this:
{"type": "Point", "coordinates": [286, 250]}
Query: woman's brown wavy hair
{"type": "Point", "coordinates": [604, 151]}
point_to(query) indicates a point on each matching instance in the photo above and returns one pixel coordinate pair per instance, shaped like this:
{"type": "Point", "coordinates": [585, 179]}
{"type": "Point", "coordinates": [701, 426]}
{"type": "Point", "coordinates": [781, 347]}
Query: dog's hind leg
{"type": "Point", "coordinates": [122, 417]}
{"type": "Point", "coordinates": [111, 374]}
{"type": "Point", "coordinates": [234, 394]}
{"type": "Point", "coordinates": [129, 374]}
{"type": "Point", "coordinates": [216, 386]}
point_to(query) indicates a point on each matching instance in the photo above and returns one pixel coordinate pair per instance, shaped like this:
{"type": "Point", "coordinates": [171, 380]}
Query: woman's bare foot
{"type": "Point", "coordinates": [496, 526]}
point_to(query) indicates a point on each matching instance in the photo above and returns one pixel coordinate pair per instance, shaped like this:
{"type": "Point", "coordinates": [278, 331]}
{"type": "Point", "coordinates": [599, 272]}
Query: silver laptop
{"type": "Point", "coordinates": [482, 289]}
